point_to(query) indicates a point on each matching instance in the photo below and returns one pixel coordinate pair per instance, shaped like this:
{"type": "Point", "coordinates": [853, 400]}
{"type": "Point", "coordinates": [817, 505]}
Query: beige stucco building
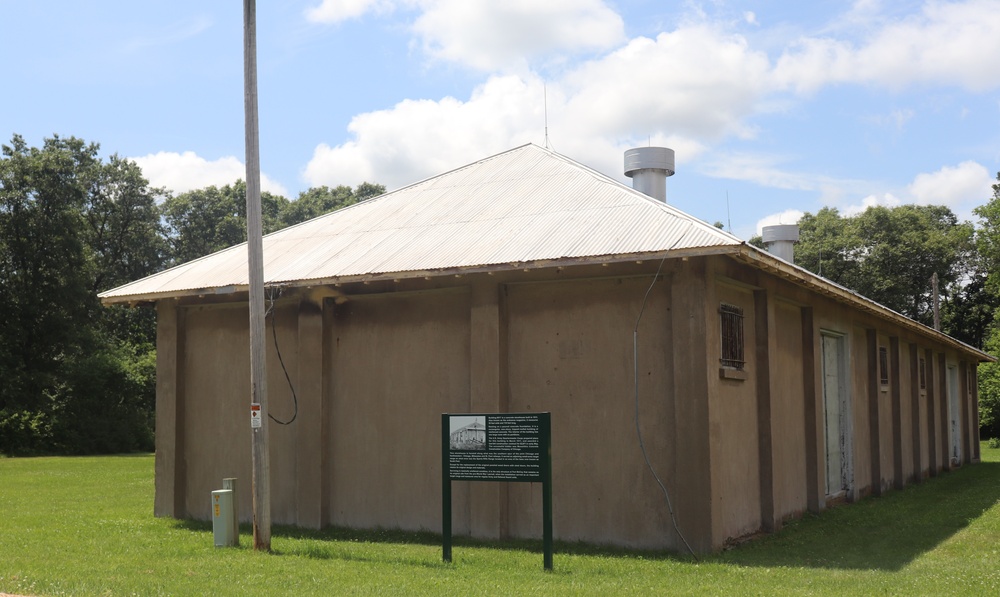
{"type": "Point", "coordinates": [527, 282]}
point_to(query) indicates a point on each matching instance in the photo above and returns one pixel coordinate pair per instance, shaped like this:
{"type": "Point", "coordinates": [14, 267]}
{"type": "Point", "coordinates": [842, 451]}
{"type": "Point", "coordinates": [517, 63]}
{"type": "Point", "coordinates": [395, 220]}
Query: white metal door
{"type": "Point", "coordinates": [833, 407]}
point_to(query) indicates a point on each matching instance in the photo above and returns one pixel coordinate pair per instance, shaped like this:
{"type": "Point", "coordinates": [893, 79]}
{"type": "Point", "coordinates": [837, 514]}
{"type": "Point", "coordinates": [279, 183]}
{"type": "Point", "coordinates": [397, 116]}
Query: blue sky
{"type": "Point", "coordinates": [783, 107]}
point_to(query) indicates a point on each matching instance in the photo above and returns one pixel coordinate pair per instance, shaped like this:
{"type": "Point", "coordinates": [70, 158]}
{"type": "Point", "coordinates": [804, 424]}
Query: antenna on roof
{"type": "Point", "coordinates": [545, 108]}
{"type": "Point", "coordinates": [729, 216]}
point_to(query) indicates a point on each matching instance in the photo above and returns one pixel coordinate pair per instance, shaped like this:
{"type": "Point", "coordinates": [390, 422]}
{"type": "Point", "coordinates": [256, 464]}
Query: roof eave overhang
{"type": "Point", "coordinates": [766, 262]}
{"type": "Point", "coordinates": [137, 299]}
{"type": "Point", "coordinates": [743, 252]}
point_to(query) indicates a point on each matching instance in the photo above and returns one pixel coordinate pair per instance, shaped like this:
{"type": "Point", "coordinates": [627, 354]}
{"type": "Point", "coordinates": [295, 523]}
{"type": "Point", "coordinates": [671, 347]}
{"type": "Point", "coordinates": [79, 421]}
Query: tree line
{"type": "Point", "coordinates": [79, 378]}
{"type": "Point", "coordinates": [895, 255]}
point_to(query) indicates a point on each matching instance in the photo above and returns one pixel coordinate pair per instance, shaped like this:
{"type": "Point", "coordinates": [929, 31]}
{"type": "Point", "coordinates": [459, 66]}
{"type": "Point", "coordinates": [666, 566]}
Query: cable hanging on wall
{"type": "Point", "coordinates": [272, 291]}
{"type": "Point", "coordinates": [638, 430]}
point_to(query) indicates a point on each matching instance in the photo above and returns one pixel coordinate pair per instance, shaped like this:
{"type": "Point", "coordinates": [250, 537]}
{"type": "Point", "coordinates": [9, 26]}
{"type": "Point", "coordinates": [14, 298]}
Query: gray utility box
{"type": "Point", "coordinates": [222, 518]}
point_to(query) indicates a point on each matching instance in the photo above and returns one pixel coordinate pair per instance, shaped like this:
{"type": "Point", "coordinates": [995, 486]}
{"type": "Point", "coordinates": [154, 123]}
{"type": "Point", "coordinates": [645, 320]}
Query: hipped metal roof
{"type": "Point", "coordinates": [527, 207]}
{"type": "Point", "coordinates": [520, 207]}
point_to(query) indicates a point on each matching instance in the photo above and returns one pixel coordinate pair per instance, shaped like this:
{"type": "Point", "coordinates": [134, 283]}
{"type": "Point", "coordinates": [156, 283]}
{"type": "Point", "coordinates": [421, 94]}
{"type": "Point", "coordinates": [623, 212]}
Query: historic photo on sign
{"type": "Point", "coordinates": [468, 433]}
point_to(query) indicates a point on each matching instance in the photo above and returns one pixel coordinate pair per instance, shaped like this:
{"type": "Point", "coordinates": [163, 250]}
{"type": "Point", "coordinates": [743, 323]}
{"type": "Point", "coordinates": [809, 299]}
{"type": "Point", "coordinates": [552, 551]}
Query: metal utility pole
{"type": "Point", "coordinates": [261, 481]}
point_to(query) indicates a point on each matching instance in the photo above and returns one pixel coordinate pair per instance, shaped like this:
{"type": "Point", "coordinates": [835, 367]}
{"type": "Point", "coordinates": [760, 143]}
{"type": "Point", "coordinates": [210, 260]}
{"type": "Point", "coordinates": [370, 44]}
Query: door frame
{"type": "Point", "coordinates": [842, 403]}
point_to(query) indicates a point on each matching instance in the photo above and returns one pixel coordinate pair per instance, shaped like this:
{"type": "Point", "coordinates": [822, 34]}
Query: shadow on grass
{"type": "Point", "coordinates": [884, 533]}
{"type": "Point", "coordinates": [341, 539]}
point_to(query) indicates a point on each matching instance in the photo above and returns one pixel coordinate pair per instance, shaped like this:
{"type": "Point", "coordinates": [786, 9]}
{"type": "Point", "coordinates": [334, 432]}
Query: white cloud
{"type": "Point", "coordinates": [335, 11]}
{"type": "Point", "coordinates": [170, 34]}
{"type": "Point", "coordinates": [418, 138]}
{"type": "Point", "coordinates": [182, 172]}
{"type": "Point", "coordinates": [789, 216]}
{"type": "Point", "coordinates": [896, 118]}
{"type": "Point", "coordinates": [688, 88]}
{"type": "Point", "coordinates": [960, 187]}
{"type": "Point", "coordinates": [946, 43]}
{"type": "Point", "coordinates": [695, 81]}
{"type": "Point", "coordinates": [770, 171]}
{"type": "Point", "coordinates": [697, 84]}
{"type": "Point", "coordinates": [885, 200]}
{"type": "Point", "coordinates": [492, 35]}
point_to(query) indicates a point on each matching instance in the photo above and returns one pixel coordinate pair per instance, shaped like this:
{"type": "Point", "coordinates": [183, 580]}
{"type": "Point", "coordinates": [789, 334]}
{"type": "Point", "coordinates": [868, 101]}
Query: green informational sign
{"type": "Point", "coordinates": [497, 447]}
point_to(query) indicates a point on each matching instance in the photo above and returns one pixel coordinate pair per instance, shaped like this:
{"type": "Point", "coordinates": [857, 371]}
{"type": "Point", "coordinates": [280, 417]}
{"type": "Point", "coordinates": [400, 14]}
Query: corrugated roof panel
{"type": "Point", "coordinates": [525, 205]}
{"type": "Point", "coordinates": [329, 257]}
{"type": "Point", "coordinates": [528, 204]}
{"type": "Point", "coordinates": [351, 260]}
{"type": "Point", "coordinates": [398, 242]}
{"type": "Point", "coordinates": [425, 251]}
{"type": "Point", "coordinates": [304, 262]}
{"type": "Point", "coordinates": [194, 275]}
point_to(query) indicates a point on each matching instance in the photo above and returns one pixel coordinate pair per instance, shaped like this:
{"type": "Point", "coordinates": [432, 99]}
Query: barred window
{"type": "Point", "coordinates": [732, 336]}
{"type": "Point", "coordinates": [883, 365]}
{"type": "Point", "coordinates": [923, 374]}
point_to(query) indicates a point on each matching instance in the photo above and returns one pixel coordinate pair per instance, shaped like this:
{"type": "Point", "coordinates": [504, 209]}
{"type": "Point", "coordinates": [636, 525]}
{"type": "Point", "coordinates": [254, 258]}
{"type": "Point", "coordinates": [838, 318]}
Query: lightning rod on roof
{"type": "Point", "coordinates": [729, 216]}
{"type": "Point", "coordinates": [545, 109]}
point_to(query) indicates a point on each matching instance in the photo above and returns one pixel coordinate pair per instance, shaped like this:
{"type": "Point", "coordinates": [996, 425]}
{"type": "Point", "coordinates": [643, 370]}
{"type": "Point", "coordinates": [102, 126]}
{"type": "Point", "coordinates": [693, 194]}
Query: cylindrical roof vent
{"type": "Point", "coordinates": [649, 167]}
{"type": "Point", "coordinates": [780, 240]}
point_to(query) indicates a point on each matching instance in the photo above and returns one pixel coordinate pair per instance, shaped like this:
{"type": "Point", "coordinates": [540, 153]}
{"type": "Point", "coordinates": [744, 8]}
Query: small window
{"type": "Point", "coordinates": [923, 374]}
{"type": "Point", "coordinates": [883, 365]}
{"type": "Point", "coordinates": [732, 336]}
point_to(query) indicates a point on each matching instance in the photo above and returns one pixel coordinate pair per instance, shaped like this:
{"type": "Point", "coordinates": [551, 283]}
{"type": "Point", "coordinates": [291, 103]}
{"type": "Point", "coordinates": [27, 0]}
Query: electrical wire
{"type": "Point", "coordinates": [638, 430]}
{"type": "Point", "coordinates": [277, 349]}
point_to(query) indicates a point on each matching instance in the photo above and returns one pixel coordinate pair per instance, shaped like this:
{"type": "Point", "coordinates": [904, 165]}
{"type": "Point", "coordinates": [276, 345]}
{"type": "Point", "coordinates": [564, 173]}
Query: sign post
{"type": "Point", "coordinates": [514, 447]}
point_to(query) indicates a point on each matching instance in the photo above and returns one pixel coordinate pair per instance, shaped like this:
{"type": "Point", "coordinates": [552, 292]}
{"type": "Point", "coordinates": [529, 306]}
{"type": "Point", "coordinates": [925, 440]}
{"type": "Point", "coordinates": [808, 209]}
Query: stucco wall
{"type": "Point", "coordinates": [570, 352]}
{"type": "Point", "coordinates": [923, 413]}
{"type": "Point", "coordinates": [216, 420]}
{"type": "Point", "coordinates": [885, 396]}
{"type": "Point", "coordinates": [861, 382]}
{"type": "Point", "coordinates": [788, 412]}
{"type": "Point", "coordinates": [733, 431]}
{"type": "Point", "coordinates": [396, 363]}
{"type": "Point", "coordinates": [906, 413]}
{"type": "Point", "coordinates": [739, 452]}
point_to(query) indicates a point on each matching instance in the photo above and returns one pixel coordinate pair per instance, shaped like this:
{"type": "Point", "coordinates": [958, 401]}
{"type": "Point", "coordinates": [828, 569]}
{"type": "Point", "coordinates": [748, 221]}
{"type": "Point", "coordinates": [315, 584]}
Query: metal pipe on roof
{"type": "Point", "coordinates": [649, 167]}
{"type": "Point", "coordinates": [780, 240]}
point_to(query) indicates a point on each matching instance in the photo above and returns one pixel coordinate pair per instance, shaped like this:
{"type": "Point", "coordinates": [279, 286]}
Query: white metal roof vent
{"type": "Point", "coordinates": [780, 240]}
{"type": "Point", "coordinates": [649, 167]}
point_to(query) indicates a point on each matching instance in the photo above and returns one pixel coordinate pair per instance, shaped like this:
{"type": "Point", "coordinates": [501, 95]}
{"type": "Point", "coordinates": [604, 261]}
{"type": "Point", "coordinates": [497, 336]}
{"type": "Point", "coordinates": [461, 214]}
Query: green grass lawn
{"type": "Point", "coordinates": [84, 526]}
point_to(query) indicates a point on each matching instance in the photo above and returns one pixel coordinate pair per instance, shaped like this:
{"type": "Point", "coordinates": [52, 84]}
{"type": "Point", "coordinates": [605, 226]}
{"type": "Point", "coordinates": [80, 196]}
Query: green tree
{"type": "Point", "coordinates": [988, 237]}
{"type": "Point", "coordinates": [317, 201]}
{"type": "Point", "coordinates": [126, 241]}
{"type": "Point", "coordinates": [69, 225]}
{"type": "Point", "coordinates": [900, 250]}
{"type": "Point", "coordinates": [988, 245]}
{"type": "Point", "coordinates": [890, 254]}
{"type": "Point", "coordinates": [44, 287]}
{"type": "Point", "coordinates": [989, 391]}
{"type": "Point", "coordinates": [123, 232]}
{"type": "Point", "coordinates": [207, 220]}
{"type": "Point", "coordinates": [968, 312]}
{"type": "Point", "coordinates": [828, 246]}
